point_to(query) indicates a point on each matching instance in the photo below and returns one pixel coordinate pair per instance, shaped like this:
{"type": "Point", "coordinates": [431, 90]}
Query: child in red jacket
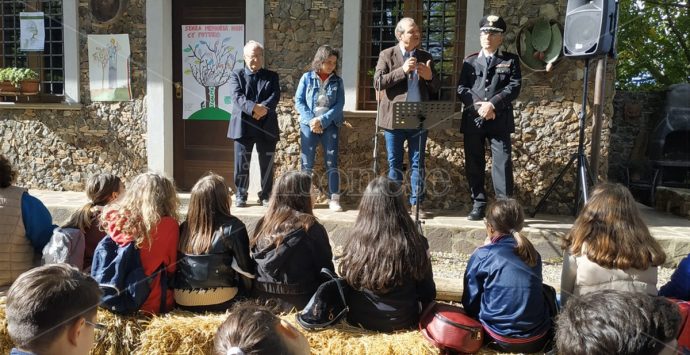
{"type": "Point", "coordinates": [147, 215]}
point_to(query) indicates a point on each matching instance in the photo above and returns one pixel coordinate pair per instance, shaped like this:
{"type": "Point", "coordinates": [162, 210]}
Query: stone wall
{"type": "Point", "coordinates": [294, 30]}
{"type": "Point", "coordinates": [546, 112]}
{"type": "Point", "coordinates": [58, 149]}
{"type": "Point", "coordinates": [635, 116]}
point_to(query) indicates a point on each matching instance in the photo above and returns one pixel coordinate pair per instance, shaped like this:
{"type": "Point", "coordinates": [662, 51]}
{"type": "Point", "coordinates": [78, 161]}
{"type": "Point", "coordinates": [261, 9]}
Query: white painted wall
{"type": "Point", "coordinates": [159, 87]}
{"type": "Point", "coordinates": [70, 22]}
{"type": "Point", "coordinates": [475, 11]}
{"type": "Point", "coordinates": [352, 18]}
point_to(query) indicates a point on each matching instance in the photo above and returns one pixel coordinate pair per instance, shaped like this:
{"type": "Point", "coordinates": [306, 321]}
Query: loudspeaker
{"type": "Point", "coordinates": [590, 27]}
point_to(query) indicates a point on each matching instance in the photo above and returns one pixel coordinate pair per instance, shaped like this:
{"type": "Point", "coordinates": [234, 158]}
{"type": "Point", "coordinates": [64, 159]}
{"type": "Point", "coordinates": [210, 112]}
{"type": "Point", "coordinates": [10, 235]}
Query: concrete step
{"type": "Point", "coordinates": [447, 231]}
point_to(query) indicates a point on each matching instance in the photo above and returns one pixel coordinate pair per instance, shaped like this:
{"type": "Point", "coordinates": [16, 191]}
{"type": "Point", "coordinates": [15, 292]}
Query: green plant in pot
{"type": "Point", "coordinates": [5, 83]}
{"type": "Point", "coordinates": [21, 78]}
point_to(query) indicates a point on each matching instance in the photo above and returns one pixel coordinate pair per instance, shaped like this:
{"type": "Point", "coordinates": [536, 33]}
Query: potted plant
{"type": "Point", "coordinates": [6, 85]}
{"type": "Point", "coordinates": [20, 79]}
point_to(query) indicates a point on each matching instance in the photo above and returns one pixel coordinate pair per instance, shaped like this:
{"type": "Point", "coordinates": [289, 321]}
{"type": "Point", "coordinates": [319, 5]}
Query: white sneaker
{"type": "Point", "coordinates": [334, 203]}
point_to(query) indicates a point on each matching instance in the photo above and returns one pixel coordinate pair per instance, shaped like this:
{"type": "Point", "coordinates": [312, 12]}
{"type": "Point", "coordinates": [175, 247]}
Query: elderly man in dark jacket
{"type": "Point", "coordinates": [489, 81]}
{"type": "Point", "coordinates": [255, 95]}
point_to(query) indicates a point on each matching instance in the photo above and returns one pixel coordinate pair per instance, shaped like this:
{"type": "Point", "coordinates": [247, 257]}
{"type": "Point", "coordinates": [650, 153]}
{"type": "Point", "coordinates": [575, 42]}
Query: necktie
{"type": "Point", "coordinates": [488, 60]}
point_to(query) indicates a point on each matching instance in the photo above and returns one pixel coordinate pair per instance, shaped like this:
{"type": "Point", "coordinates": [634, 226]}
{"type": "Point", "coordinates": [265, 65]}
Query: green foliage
{"type": "Point", "coordinates": [653, 40]}
{"type": "Point", "coordinates": [17, 75]}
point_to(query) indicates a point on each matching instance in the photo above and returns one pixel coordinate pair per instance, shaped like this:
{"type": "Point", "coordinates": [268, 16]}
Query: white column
{"type": "Point", "coordinates": [475, 11]}
{"type": "Point", "coordinates": [70, 21]}
{"type": "Point", "coordinates": [352, 18]}
{"type": "Point", "coordinates": [254, 30]}
{"type": "Point", "coordinates": [159, 94]}
{"type": "Point", "coordinates": [254, 22]}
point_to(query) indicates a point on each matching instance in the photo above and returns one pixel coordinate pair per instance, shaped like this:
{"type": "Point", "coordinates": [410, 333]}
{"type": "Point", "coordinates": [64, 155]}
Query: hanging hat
{"type": "Point", "coordinates": [492, 23]}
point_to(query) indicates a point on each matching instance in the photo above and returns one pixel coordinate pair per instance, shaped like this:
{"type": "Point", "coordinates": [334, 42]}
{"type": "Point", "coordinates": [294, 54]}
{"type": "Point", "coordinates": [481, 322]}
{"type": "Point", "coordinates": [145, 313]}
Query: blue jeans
{"type": "Point", "coordinates": [329, 142]}
{"type": "Point", "coordinates": [394, 146]}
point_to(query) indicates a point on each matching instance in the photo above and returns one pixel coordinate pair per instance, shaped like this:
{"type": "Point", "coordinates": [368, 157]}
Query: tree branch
{"type": "Point", "coordinates": [677, 34]}
{"type": "Point", "coordinates": [679, 5]}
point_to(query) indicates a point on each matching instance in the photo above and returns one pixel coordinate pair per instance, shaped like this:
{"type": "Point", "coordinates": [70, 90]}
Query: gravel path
{"type": "Point", "coordinates": [452, 266]}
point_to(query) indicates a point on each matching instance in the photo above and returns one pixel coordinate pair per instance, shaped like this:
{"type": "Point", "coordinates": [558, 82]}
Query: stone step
{"type": "Point", "coordinates": [447, 231]}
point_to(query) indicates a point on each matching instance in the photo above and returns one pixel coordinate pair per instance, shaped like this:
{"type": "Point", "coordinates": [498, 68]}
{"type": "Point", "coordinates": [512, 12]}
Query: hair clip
{"type": "Point", "coordinates": [234, 351]}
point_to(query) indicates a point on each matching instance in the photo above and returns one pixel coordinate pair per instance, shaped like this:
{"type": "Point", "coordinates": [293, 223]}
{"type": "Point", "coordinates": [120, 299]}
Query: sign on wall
{"type": "Point", "coordinates": [32, 33]}
{"type": "Point", "coordinates": [109, 67]}
{"type": "Point", "coordinates": [209, 54]}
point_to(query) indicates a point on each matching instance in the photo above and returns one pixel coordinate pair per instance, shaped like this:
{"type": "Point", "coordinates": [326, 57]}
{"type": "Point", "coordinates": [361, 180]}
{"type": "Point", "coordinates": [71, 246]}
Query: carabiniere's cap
{"type": "Point", "coordinates": [492, 23]}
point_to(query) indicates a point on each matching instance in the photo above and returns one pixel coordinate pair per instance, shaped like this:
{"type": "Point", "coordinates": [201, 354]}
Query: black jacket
{"type": "Point", "coordinates": [215, 269]}
{"type": "Point", "coordinates": [291, 272]}
{"type": "Point", "coordinates": [498, 83]}
{"type": "Point", "coordinates": [397, 309]}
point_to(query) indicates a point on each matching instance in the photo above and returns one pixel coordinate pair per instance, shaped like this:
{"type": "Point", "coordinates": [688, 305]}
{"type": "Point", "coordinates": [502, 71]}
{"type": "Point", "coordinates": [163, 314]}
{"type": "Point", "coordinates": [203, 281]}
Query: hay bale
{"type": "Point", "coordinates": [6, 344]}
{"type": "Point", "coordinates": [180, 332]}
{"type": "Point", "coordinates": [122, 335]}
{"type": "Point", "coordinates": [347, 339]}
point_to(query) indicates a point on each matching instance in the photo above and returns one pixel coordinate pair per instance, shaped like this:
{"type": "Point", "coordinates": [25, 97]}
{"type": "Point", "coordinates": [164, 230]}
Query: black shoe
{"type": "Point", "coordinates": [264, 202]}
{"type": "Point", "coordinates": [477, 213]}
{"type": "Point", "coordinates": [240, 203]}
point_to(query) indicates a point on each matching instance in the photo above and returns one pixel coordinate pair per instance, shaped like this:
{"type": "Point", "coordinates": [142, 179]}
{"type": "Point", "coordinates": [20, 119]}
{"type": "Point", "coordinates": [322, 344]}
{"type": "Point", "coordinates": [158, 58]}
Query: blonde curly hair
{"type": "Point", "coordinates": [149, 197]}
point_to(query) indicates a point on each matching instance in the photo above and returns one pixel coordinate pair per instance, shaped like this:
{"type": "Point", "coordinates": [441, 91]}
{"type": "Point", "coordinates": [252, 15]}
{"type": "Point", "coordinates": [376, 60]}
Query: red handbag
{"type": "Point", "coordinates": [450, 328]}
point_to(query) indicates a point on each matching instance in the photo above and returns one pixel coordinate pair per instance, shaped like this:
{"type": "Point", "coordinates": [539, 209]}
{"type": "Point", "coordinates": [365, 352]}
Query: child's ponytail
{"type": "Point", "coordinates": [100, 189]}
{"type": "Point", "coordinates": [506, 216]}
{"type": "Point", "coordinates": [525, 250]}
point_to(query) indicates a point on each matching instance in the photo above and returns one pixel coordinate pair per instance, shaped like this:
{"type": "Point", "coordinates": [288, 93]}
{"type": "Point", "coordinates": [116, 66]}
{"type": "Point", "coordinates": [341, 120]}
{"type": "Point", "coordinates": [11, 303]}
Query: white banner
{"type": "Point", "coordinates": [32, 33]}
{"type": "Point", "coordinates": [209, 54]}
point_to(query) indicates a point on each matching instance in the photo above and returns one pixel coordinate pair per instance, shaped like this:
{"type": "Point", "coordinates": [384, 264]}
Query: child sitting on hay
{"type": "Point", "coordinates": [289, 245]}
{"type": "Point", "coordinates": [215, 266]}
{"type": "Point", "coordinates": [147, 215]}
{"type": "Point", "coordinates": [52, 310]}
{"type": "Point", "coordinates": [253, 329]}
{"type": "Point", "coordinates": [503, 284]}
{"type": "Point", "coordinates": [386, 261]}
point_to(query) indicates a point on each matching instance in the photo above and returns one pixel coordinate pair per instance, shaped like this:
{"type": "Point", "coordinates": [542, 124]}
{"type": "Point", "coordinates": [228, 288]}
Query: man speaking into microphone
{"type": "Point", "coordinates": [405, 73]}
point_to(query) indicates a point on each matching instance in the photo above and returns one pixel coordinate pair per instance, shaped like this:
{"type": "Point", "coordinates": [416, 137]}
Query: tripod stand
{"type": "Point", "coordinates": [583, 177]}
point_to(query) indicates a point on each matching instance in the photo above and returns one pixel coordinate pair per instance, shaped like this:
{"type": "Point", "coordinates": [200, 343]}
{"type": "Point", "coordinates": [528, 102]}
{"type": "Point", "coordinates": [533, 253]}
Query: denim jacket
{"type": "Point", "coordinates": [307, 93]}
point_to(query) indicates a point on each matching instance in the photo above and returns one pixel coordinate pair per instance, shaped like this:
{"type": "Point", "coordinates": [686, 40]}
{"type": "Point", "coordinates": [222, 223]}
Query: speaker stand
{"type": "Point", "coordinates": [583, 177]}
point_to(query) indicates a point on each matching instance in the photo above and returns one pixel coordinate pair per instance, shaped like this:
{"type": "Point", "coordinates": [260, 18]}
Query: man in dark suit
{"type": "Point", "coordinates": [489, 81]}
{"type": "Point", "coordinates": [405, 73]}
{"type": "Point", "coordinates": [255, 95]}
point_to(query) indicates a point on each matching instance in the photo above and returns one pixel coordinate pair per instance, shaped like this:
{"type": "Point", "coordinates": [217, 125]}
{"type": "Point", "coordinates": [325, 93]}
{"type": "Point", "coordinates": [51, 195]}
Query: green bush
{"type": "Point", "coordinates": [17, 75]}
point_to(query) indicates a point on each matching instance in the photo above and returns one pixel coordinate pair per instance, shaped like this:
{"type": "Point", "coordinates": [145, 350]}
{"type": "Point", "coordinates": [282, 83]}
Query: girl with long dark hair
{"type": "Point", "coordinates": [386, 262]}
{"type": "Point", "coordinates": [289, 244]}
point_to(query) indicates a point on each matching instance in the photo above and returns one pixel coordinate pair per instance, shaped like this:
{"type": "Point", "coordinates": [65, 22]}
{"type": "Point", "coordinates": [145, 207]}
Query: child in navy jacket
{"type": "Point", "coordinates": [503, 284]}
{"type": "Point", "coordinates": [679, 286]}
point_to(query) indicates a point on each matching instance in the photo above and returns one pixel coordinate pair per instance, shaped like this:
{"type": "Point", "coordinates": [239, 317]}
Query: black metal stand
{"type": "Point", "coordinates": [583, 176]}
{"type": "Point", "coordinates": [377, 87]}
{"type": "Point", "coordinates": [414, 115]}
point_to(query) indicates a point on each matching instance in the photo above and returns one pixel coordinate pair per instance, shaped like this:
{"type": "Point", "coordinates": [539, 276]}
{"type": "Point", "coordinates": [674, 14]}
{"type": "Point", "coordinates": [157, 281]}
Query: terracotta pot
{"type": "Point", "coordinates": [30, 86]}
{"type": "Point", "coordinates": [7, 87]}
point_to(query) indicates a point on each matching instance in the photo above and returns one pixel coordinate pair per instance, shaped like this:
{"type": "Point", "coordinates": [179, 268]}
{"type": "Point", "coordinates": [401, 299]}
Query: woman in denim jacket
{"type": "Point", "coordinates": [319, 99]}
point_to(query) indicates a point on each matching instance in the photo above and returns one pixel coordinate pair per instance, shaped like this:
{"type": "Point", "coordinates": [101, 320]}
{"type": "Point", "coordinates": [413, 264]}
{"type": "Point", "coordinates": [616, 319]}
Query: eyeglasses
{"type": "Point", "coordinates": [97, 326]}
{"type": "Point", "coordinates": [99, 330]}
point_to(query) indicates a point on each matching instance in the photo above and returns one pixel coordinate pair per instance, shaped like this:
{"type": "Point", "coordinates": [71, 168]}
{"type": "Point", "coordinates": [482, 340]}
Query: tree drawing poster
{"type": "Point", "coordinates": [109, 57]}
{"type": "Point", "coordinates": [209, 54]}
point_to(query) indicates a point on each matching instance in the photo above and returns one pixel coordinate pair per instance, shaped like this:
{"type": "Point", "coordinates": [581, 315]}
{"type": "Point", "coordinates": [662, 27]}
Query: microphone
{"type": "Point", "coordinates": [410, 75]}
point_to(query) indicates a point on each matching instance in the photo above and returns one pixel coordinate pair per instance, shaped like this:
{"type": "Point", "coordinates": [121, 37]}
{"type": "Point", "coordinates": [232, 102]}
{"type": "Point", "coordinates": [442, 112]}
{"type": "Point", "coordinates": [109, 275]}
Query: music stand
{"type": "Point", "coordinates": [422, 116]}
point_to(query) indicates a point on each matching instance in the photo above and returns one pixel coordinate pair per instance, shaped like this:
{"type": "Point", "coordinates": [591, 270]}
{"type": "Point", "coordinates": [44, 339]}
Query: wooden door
{"type": "Point", "coordinates": [199, 145]}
